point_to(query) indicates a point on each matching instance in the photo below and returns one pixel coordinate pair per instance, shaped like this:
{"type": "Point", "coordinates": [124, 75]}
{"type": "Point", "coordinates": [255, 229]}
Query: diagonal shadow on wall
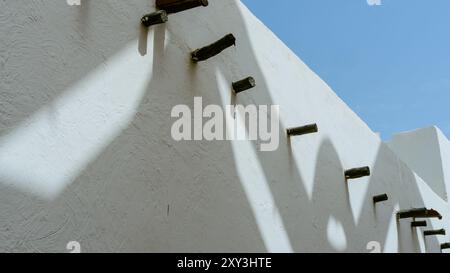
{"type": "Point", "coordinates": [147, 192]}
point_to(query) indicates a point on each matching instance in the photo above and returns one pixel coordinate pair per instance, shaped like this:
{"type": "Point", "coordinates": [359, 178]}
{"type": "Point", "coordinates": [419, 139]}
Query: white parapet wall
{"type": "Point", "coordinates": [427, 152]}
{"type": "Point", "coordinates": [87, 155]}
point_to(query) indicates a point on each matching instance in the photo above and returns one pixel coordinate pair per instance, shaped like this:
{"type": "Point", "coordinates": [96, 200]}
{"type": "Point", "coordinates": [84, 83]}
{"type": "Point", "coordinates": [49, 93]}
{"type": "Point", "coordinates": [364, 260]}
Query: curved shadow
{"type": "Point", "coordinates": [132, 197]}
{"type": "Point", "coordinates": [48, 52]}
{"type": "Point", "coordinates": [147, 192]}
{"type": "Point", "coordinates": [331, 200]}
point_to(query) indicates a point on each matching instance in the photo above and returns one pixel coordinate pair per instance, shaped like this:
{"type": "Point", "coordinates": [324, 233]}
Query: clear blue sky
{"type": "Point", "coordinates": [389, 63]}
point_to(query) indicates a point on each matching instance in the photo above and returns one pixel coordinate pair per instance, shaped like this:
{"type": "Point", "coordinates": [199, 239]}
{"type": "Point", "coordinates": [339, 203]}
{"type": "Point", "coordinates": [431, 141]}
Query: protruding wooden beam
{"type": "Point", "coordinates": [357, 173]}
{"type": "Point", "coordinates": [380, 198]}
{"type": "Point", "coordinates": [445, 246]}
{"type": "Point", "coordinates": [419, 224]}
{"type": "Point", "coordinates": [419, 213]}
{"type": "Point", "coordinates": [174, 6]}
{"type": "Point", "coordinates": [434, 232]}
{"type": "Point", "coordinates": [155, 18]}
{"type": "Point", "coordinates": [214, 49]}
{"type": "Point", "coordinates": [303, 130]}
{"type": "Point", "coordinates": [244, 85]}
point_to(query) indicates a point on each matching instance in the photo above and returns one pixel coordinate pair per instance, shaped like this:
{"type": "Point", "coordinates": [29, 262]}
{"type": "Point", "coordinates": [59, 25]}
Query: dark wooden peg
{"type": "Point", "coordinates": [155, 18]}
{"type": "Point", "coordinates": [445, 246]}
{"type": "Point", "coordinates": [357, 173]}
{"type": "Point", "coordinates": [174, 6]}
{"type": "Point", "coordinates": [419, 224]}
{"type": "Point", "coordinates": [380, 198]}
{"type": "Point", "coordinates": [304, 130]}
{"type": "Point", "coordinates": [434, 232]}
{"type": "Point", "coordinates": [243, 85]}
{"type": "Point", "coordinates": [419, 213]}
{"type": "Point", "coordinates": [214, 49]}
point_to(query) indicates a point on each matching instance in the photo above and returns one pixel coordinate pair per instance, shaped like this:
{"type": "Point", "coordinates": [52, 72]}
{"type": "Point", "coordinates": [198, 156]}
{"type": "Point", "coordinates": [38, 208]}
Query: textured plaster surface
{"type": "Point", "coordinates": [86, 152]}
{"type": "Point", "coordinates": [426, 151]}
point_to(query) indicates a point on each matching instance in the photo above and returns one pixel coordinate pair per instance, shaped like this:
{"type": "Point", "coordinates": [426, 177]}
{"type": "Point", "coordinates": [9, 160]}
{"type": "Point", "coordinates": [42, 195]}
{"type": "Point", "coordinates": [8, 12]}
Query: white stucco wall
{"type": "Point", "coordinates": [444, 144]}
{"type": "Point", "coordinates": [426, 151]}
{"type": "Point", "coordinates": [86, 152]}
